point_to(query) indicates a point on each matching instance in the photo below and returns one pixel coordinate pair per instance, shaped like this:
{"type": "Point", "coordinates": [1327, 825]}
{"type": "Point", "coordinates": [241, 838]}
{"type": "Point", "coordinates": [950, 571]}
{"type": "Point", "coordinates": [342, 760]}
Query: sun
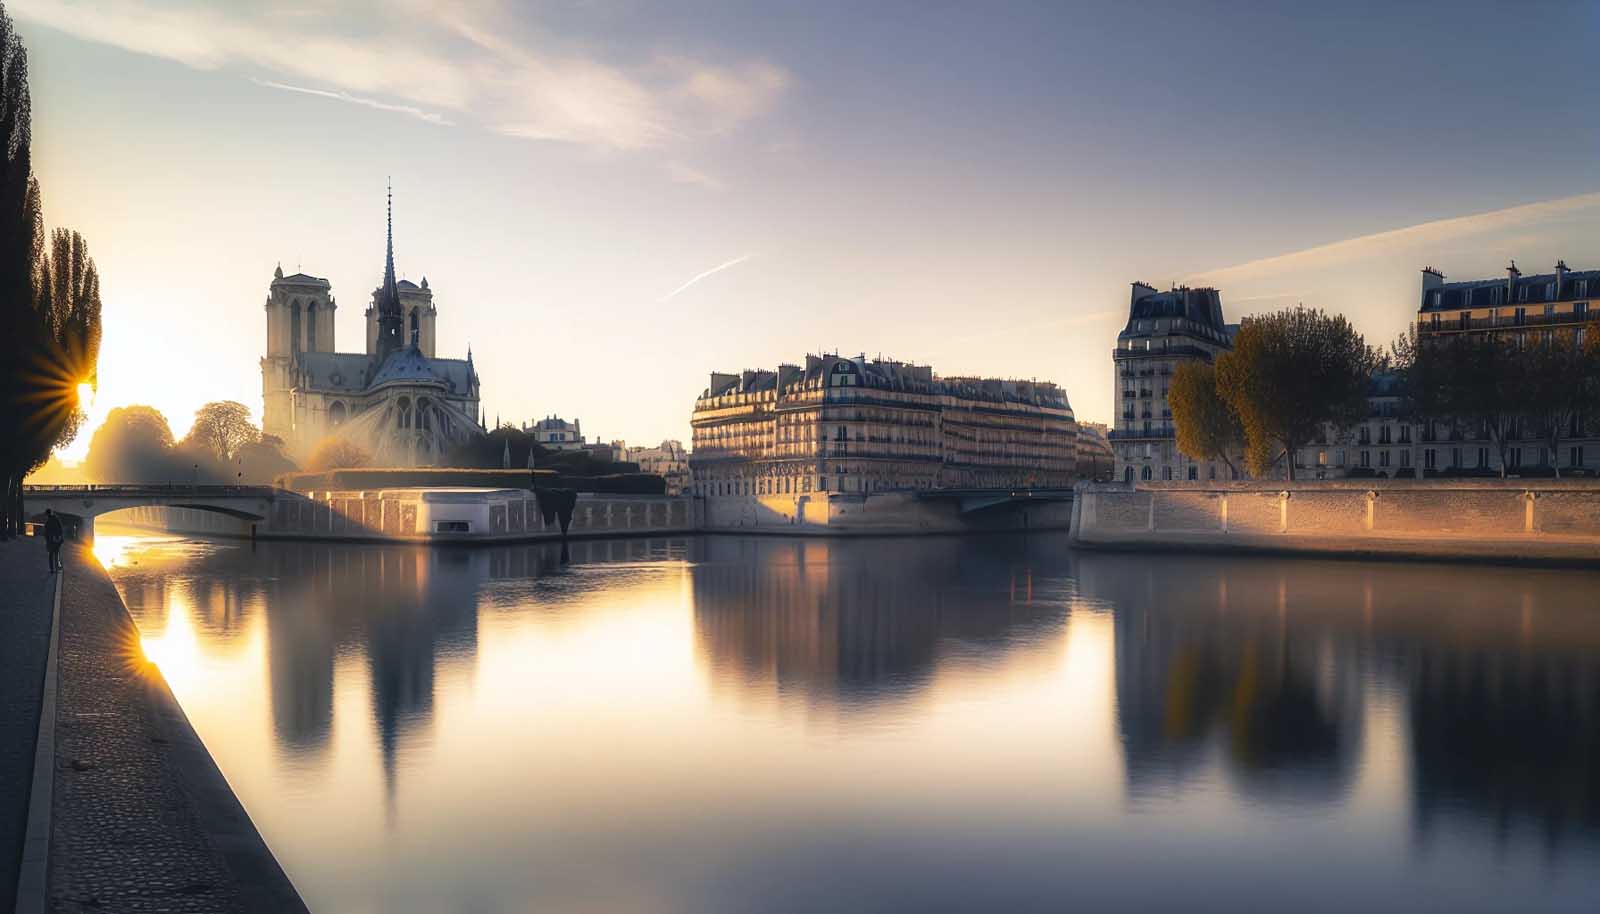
{"type": "Point", "coordinates": [85, 395]}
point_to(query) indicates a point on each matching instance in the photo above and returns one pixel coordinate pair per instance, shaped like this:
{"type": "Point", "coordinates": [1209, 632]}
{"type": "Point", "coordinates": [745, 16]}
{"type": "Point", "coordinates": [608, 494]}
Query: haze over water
{"type": "Point", "coordinates": [960, 724]}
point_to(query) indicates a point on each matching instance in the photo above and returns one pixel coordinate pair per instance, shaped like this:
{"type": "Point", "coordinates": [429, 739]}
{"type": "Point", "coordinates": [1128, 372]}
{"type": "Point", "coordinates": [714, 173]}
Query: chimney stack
{"type": "Point", "coordinates": [1512, 275]}
{"type": "Point", "coordinates": [1561, 279]}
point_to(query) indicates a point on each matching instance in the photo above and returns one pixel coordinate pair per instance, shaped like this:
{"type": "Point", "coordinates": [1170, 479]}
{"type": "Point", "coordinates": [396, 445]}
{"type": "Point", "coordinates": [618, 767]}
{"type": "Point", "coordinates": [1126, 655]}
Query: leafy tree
{"type": "Point", "coordinates": [338, 454]}
{"type": "Point", "coordinates": [134, 444]}
{"type": "Point", "coordinates": [221, 429]}
{"type": "Point", "coordinates": [1474, 381]}
{"type": "Point", "coordinates": [1559, 384]}
{"type": "Point", "coordinates": [1206, 426]}
{"type": "Point", "coordinates": [1291, 374]}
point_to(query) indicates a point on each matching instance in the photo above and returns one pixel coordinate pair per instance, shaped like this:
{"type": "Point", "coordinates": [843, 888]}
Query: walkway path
{"type": "Point", "coordinates": [26, 595]}
{"type": "Point", "coordinates": [142, 818]}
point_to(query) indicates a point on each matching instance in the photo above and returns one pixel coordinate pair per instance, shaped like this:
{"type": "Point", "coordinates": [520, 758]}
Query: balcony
{"type": "Point", "coordinates": [1130, 434]}
{"type": "Point", "coordinates": [1504, 322]}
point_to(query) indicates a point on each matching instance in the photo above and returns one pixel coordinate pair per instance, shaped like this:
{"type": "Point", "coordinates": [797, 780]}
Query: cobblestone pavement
{"type": "Point", "coordinates": [142, 819]}
{"type": "Point", "coordinates": [25, 601]}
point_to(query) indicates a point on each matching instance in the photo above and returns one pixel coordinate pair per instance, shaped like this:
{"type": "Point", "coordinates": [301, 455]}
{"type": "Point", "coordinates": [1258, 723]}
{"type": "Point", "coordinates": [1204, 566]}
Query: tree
{"type": "Point", "coordinates": [49, 302]}
{"type": "Point", "coordinates": [338, 454]}
{"type": "Point", "coordinates": [263, 460]}
{"type": "Point", "coordinates": [134, 444]}
{"type": "Point", "coordinates": [1558, 381]}
{"type": "Point", "coordinates": [1206, 426]}
{"type": "Point", "coordinates": [221, 429]}
{"type": "Point", "coordinates": [1472, 380]}
{"type": "Point", "coordinates": [1291, 374]}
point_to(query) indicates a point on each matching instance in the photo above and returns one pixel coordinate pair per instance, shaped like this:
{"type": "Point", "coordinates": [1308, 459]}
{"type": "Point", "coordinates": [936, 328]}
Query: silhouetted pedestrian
{"type": "Point", "coordinates": [54, 535]}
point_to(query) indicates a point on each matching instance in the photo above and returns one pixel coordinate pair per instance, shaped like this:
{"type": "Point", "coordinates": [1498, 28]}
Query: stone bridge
{"type": "Point", "coordinates": [82, 504]}
{"type": "Point", "coordinates": [971, 500]}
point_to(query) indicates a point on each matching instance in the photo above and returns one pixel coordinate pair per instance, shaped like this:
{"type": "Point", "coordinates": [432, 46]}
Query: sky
{"type": "Point", "coordinates": [612, 199]}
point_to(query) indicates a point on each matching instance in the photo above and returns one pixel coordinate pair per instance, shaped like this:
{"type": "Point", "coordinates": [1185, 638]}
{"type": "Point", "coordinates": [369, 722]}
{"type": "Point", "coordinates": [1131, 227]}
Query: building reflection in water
{"type": "Point", "coordinates": [1004, 705]}
{"type": "Point", "coordinates": [845, 625]}
{"type": "Point", "coordinates": [1268, 667]}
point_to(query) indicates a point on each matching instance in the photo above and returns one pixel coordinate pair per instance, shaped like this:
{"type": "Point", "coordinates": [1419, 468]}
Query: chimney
{"type": "Point", "coordinates": [1140, 290]}
{"type": "Point", "coordinates": [1561, 279]}
{"type": "Point", "coordinates": [1512, 275]}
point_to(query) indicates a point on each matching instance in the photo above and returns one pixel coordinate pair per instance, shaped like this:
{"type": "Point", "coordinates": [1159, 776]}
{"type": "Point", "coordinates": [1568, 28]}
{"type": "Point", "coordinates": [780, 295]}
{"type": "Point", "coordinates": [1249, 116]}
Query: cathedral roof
{"type": "Point", "coordinates": [334, 372]}
{"type": "Point", "coordinates": [407, 366]}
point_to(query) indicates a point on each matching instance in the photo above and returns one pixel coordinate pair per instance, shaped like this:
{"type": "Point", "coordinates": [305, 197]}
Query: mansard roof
{"type": "Point", "coordinates": [1538, 288]}
{"type": "Point", "coordinates": [1202, 306]}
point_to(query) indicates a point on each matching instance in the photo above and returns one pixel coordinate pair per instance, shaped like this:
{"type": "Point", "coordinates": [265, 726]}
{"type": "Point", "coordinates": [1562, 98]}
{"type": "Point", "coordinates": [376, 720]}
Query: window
{"type": "Point", "coordinates": [1364, 436]}
{"type": "Point", "coordinates": [1166, 473]}
{"type": "Point", "coordinates": [1580, 310]}
{"type": "Point", "coordinates": [1213, 473]}
{"type": "Point", "coordinates": [1405, 434]}
{"type": "Point", "coordinates": [294, 327]}
{"type": "Point", "coordinates": [1574, 456]}
{"type": "Point", "coordinates": [1383, 458]}
{"type": "Point", "coordinates": [1144, 473]}
{"type": "Point", "coordinates": [1383, 435]}
{"type": "Point", "coordinates": [1127, 475]}
{"type": "Point", "coordinates": [1366, 459]}
{"type": "Point", "coordinates": [452, 526]}
{"type": "Point", "coordinates": [1405, 458]}
{"type": "Point", "coordinates": [1430, 459]}
{"type": "Point", "coordinates": [1483, 457]}
{"type": "Point", "coordinates": [311, 327]}
{"type": "Point", "coordinates": [1194, 472]}
{"type": "Point", "coordinates": [1455, 457]}
{"type": "Point", "coordinates": [1514, 457]}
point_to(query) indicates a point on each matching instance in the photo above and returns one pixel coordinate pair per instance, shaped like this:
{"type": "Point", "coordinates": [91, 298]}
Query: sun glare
{"type": "Point", "coordinates": [85, 395]}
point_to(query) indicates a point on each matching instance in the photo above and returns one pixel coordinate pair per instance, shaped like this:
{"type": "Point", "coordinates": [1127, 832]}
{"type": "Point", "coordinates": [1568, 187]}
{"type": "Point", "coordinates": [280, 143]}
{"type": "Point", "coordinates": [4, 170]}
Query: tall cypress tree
{"type": "Point", "coordinates": [49, 309]}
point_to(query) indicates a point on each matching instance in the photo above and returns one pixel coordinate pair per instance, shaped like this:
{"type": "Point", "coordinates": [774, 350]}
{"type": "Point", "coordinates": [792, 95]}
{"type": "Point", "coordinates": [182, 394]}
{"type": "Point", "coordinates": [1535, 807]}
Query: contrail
{"type": "Point", "coordinates": [417, 113]}
{"type": "Point", "coordinates": [714, 270]}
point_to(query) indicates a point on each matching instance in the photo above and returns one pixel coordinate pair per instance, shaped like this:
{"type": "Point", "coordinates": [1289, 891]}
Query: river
{"type": "Point", "coordinates": [726, 724]}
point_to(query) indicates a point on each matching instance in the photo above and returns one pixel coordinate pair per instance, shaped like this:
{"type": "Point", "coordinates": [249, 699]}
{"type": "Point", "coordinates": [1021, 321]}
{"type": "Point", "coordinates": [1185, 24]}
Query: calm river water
{"type": "Point", "coordinates": [941, 724]}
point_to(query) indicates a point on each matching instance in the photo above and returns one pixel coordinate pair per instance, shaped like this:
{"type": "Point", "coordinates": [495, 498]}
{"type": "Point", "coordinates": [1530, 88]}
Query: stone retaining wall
{"type": "Point", "coordinates": [1503, 520]}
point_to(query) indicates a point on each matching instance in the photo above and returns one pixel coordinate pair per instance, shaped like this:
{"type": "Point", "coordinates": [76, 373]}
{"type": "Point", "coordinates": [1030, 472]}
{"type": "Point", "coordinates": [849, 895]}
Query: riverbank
{"type": "Point", "coordinates": [140, 819]}
{"type": "Point", "coordinates": [1552, 522]}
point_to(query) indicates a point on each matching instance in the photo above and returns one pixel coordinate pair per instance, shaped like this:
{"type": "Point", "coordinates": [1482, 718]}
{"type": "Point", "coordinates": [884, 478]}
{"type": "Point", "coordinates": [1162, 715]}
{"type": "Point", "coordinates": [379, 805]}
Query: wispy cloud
{"type": "Point", "coordinates": [1421, 238]}
{"type": "Point", "coordinates": [421, 115]}
{"type": "Point", "coordinates": [699, 276]}
{"type": "Point", "coordinates": [473, 59]}
{"type": "Point", "coordinates": [688, 174]}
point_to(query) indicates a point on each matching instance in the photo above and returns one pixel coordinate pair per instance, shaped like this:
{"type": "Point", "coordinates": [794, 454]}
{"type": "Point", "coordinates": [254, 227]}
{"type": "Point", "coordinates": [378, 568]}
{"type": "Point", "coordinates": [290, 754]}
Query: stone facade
{"type": "Point", "coordinates": [668, 460]}
{"type": "Point", "coordinates": [862, 426]}
{"type": "Point", "coordinates": [1164, 329]}
{"type": "Point", "coordinates": [396, 400]}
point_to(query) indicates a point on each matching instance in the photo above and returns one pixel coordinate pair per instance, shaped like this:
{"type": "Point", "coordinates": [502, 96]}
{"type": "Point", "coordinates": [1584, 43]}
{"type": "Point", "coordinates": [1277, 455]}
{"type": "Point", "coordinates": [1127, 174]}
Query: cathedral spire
{"type": "Point", "coordinates": [391, 330]}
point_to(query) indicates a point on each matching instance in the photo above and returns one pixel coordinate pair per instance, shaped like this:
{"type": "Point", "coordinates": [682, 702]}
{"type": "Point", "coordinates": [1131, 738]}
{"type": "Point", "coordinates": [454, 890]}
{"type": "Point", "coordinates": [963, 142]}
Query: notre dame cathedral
{"type": "Point", "coordinates": [396, 401]}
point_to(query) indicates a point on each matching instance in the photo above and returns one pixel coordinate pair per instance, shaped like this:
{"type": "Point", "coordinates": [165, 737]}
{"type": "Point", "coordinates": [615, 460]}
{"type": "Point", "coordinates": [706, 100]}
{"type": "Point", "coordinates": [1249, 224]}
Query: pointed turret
{"type": "Point", "coordinates": [391, 319]}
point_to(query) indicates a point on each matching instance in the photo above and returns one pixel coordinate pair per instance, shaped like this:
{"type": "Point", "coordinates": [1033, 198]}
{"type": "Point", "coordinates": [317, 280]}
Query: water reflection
{"type": "Point", "coordinates": [841, 627]}
{"type": "Point", "coordinates": [730, 724]}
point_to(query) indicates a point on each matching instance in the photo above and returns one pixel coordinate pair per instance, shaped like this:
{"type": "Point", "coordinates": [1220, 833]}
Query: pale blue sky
{"type": "Point", "coordinates": [967, 185]}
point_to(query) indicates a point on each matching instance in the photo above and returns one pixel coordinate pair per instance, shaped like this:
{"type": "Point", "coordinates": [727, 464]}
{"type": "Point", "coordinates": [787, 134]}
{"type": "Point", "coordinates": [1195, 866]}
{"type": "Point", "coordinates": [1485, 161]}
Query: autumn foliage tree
{"type": "Point", "coordinates": [1206, 425]}
{"type": "Point", "coordinates": [1291, 374]}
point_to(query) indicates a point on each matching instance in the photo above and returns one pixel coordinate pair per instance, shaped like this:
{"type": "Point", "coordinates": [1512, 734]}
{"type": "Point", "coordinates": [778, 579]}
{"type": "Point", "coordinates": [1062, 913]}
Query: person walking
{"type": "Point", "coordinates": [54, 535]}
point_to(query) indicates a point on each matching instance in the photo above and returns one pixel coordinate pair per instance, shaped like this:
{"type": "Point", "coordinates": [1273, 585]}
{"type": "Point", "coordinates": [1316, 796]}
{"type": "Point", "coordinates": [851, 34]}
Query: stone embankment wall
{"type": "Point", "coordinates": [836, 514]}
{"type": "Point", "coordinates": [412, 515]}
{"type": "Point", "coordinates": [1499, 520]}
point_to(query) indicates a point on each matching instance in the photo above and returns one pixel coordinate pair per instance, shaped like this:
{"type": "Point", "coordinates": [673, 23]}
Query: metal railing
{"type": "Point", "coordinates": [151, 488]}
